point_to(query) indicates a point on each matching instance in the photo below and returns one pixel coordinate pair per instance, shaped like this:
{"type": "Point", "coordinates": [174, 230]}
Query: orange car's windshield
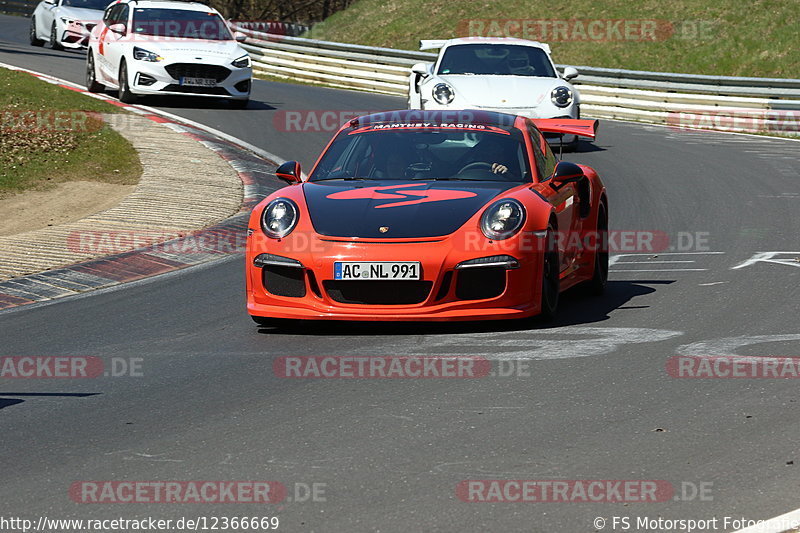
{"type": "Point", "coordinates": [441, 152]}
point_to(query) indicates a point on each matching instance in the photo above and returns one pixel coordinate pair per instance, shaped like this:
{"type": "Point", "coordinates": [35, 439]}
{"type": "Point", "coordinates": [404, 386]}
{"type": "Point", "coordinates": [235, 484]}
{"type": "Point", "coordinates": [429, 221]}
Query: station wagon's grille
{"type": "Point", "coordinates": [197, 70]}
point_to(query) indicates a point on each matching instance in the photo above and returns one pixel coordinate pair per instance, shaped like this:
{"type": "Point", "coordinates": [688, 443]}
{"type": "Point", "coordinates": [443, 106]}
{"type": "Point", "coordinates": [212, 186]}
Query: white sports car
{"type": "Point", "coordinates": [149, 47]}
{"type": "Point", "coordinates": [65, 23]}
{"type": "Point", "coordinates": [513, 76]}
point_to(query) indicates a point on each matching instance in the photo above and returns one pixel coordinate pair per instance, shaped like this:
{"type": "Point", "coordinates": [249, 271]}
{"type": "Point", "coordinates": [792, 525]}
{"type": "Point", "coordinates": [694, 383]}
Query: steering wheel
{"type": "Point", "coordinates": [476, 165]}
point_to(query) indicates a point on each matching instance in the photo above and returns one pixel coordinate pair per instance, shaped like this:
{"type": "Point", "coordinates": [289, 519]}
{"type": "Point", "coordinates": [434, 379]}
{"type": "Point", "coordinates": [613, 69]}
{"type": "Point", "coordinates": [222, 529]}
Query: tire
{"type": "Point", "coordinates": [125, 94]}
{"type": "Point", "coordinates": [597, 285]}
{"type": "Point", "coordinates": [54, 44]}
{"type": "Point", "coordinates": [91, 81]}
{"type": "Point", "coordinates": [35, 41]}
{"type": "Point", "coordinates": [550, 283]}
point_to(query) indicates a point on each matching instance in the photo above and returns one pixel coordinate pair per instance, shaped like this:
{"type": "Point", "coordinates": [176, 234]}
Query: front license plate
{"type": "Point", "coordinates": [377, 270]}
{"type": "Point", "coordinates": [199, 82]}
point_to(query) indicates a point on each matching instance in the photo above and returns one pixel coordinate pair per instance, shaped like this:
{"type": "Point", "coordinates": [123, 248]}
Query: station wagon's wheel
{"type": "Point", "coordinates": [125, 94]}
{"type": "Point", "coordinates": [91, 81]}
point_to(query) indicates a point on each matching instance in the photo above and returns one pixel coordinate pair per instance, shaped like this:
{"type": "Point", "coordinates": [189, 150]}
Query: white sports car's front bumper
{"type": "Point", "coordinates": [220, 80]}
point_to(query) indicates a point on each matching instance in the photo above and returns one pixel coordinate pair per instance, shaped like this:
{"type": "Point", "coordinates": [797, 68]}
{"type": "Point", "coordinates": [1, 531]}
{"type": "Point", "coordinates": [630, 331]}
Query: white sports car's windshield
{"type": "Point", "coordinates": [87, 4]}
{"type": "Point", "coordinates": [496, 60]}
{"type": "Point", "coordinates": [180, 24]}
{"type": "Point", "coordinates": [439, 152]}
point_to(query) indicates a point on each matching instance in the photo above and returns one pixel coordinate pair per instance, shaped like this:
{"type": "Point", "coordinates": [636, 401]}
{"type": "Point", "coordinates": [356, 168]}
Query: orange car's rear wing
{"type": "Point", "coordinates": [569, 126]}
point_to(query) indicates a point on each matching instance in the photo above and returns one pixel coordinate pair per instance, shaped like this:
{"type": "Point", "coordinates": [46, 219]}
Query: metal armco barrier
{"type": "Point", "coordinates": [17, 7]}
{"type": "Point", "coordinates": [683, 100]}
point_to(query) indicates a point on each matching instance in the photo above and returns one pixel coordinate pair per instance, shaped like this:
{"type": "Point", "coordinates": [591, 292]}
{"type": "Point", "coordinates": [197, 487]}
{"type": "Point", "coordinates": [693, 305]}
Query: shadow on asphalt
{"type": "Point", "coordinates": [195, 102]}
{"type": "Point", "coordinates": [37, 51]}
{"type": "Point", "coordinates": [8, 402]}
{"type": "Point", "coordinates": [574, 309]}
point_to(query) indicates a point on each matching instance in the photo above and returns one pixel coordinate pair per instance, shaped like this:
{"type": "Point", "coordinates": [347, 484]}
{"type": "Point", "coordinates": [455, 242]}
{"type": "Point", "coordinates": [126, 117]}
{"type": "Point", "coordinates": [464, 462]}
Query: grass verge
{"type": "Point", "coordinates": [49, 134]}
{"type": "Point", "coordinates": [726, 37]}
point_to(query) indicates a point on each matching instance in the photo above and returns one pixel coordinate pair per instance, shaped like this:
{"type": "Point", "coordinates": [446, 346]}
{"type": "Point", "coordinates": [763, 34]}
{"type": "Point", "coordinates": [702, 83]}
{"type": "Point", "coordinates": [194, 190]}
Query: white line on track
{"type": "Point", "coordinates": [780, 524]}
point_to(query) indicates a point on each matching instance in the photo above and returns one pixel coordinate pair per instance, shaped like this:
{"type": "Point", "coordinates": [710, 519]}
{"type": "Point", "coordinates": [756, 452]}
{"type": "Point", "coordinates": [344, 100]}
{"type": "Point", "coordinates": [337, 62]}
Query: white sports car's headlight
{"type": "Point", "coordinates": [561, 96]}
{"type": "Point", "coordinates": [443, 93]}
{"type": "Point", "coordinates": [502, 219]}
{"type": "Point", "coordinates": [146, 55]}
{"type": "Point", "coordinates": [279, 218]}
{"type": "Point", "coordinates": [242, 62]}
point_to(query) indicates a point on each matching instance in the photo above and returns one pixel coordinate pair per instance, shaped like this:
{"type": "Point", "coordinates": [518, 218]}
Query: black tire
{"type": "Point", "coordinates": [125, 94]}
{"type": "Point", "coordinates": [35, 41]}
{"type": "Point", "coordinates": [54, 44]}
{"type": "Point", "coordinates": [551, 286]}
{"type": "Point", "coordinates": [92, 84]}
{"type": "Point", "coordinates": [597, 285]}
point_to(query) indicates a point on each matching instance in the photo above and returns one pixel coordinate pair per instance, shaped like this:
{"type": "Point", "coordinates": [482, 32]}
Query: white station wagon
{"type": "Point", "coordinates": [167, 48]}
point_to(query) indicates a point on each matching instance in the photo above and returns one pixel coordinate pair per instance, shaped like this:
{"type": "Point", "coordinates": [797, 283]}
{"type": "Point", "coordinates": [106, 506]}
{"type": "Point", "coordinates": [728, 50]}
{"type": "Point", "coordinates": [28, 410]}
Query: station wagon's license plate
{"type": "Point", "coordinates": [376, 270]}
{"type": "Point", "coordinates": [199, 82]}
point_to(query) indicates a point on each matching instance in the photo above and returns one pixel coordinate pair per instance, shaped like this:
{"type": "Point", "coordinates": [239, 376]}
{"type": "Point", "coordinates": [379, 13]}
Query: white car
{"type": "Point", "coordinates": [167, 48]}
{"type": "Point", "coordinates": [509, 75]}
{"type": "Point", "coordinates": [65, 23]}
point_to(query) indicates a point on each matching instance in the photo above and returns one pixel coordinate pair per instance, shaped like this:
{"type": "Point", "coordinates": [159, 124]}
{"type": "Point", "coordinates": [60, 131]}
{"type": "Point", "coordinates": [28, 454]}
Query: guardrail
{"type": "Point", "coordinates": [713, 102]}
{"type": "Point", "coordinates": [17, 7]}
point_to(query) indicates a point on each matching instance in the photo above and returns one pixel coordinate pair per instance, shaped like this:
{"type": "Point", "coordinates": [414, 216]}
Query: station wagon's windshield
{"type": "Point", "coordinates": [438, 152]}
{"type": "Point", "coordinates": [180, 24]}
{"type": "Point", "coordinates": [496, 60]}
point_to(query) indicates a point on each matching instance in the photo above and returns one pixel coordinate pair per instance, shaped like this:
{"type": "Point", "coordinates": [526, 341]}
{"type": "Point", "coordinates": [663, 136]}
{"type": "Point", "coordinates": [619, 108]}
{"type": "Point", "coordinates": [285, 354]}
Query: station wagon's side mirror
{"type": "Point", "coordinates": [421, 69]}
{"type": "Point", "coordinates": [570, 73]}
{"type": "Point", "coordinates": [566, 172]}
{"type": "Point", "coordinates": [289, 171]}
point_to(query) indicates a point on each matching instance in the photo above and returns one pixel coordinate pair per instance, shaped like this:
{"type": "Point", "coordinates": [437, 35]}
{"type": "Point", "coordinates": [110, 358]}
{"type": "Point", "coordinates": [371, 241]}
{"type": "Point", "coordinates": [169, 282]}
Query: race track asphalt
{"type": "Point", "coordinates": [598, 403]}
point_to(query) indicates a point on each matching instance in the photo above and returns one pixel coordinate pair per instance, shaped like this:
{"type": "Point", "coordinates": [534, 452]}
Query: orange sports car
{"type": "Point", "coordinates": [429, 215]}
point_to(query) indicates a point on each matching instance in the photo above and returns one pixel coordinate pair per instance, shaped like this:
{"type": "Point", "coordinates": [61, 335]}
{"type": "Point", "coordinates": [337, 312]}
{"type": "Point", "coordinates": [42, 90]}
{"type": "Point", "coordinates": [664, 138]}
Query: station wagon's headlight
{"type": "Point", "coordinates": [443, 93]}
{"type": "Point", "coordinates": [502, 219]}
{"type": "Point", "coordinates": [561, 96]}
{"type": "Point", "coordinates": [146, 55]}
{"type": "Point", "coordinates": [279, 218]}
{"type": "Point", "coordinates": [242, 62]}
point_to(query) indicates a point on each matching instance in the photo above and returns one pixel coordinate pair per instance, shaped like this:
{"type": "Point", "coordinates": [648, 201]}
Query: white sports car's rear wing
{"type": "Point", "coordinates": [570, 126]}
{"type": "Point", "coordinates": [431, 44]}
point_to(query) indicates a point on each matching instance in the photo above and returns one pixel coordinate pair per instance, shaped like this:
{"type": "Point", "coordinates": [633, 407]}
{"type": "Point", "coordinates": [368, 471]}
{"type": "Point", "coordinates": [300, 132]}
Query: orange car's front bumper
{"type": "Point", "coordinates": [443, 293]}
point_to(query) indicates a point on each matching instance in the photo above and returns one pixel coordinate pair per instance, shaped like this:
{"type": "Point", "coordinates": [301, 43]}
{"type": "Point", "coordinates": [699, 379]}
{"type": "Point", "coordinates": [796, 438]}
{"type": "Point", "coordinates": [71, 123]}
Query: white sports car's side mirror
{"type": "Point", "coordinates": [118, 28]}
{"type": "Point", "coordinates": [421, 69]}
{"type": "Point", "coordinates": [570, 73]}
{"type": "Point", "coordinates": [239, 36]}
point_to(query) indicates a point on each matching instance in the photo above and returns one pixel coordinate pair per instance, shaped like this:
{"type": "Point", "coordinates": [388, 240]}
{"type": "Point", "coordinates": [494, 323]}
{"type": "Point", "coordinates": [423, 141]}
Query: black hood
{"type": "Point", "coordinates": [405, 209]}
